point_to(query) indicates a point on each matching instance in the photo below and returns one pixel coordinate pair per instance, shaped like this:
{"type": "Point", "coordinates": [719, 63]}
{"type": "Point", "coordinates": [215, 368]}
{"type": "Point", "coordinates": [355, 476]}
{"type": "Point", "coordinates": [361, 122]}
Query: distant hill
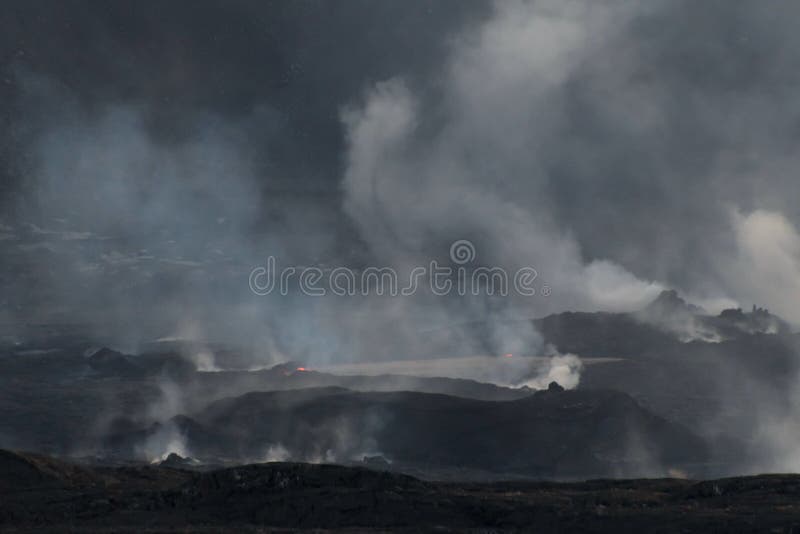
{"type": "Point", "coordinates": [667, 322]}
{"type": "Point", "coordinates": [552, 433]}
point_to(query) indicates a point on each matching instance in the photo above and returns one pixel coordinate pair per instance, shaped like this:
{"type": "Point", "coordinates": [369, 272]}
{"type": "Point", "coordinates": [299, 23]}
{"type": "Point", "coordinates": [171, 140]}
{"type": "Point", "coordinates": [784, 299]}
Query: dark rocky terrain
{"type": "Point", "coordinates": [153, 441]}
{"type": "Point", "coordinates": [119, 407]}
{"type": "Point", "coordinates": [40, 493]}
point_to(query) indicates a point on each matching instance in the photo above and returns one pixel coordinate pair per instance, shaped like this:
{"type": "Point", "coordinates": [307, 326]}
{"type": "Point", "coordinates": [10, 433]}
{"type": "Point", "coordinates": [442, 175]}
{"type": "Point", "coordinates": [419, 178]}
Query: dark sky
{"type": "Point", "coordinates": [302, 60]}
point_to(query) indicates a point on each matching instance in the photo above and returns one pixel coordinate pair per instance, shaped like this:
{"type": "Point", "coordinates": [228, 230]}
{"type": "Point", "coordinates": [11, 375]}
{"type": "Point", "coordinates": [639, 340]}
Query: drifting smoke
{"type": "Point", "coordinates": [501, 154]}
{"type": "Point", "coordinates": [276, 453]}
{"type": "Point", "coordinates": [412, 185]}
{"type": "Point", "coordinates": [767, 264]}
{"type": "Point", "coordinates": [616, 148]}
{"type": "Point", "coordinates": [475, 170]}
{"type": "Point", "coordinates": [563, 369]}
{"type": "Point", "coordinates": [168, 439]}
{"type": "Point", "coordinates": [169, 233]}
{"type": "Point", "coordinates": [141, 229]}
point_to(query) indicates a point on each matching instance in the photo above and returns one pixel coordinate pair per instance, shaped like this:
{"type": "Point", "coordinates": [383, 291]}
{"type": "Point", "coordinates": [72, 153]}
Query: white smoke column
{"type": "Point", "coordinates": [193, 345]}
{"type": "Point", "coordinates": [412, 185]}
{"type": "Point", "coordinates": [766, 269]}
{"type": "Point", "coordinates": [167, 440]}
{"type": "Point", "coordinates": [276, 452]}
{"type": "Point", "coordinates": [171, 401]}
{"type": "Point", "coordinates": [565, 369]}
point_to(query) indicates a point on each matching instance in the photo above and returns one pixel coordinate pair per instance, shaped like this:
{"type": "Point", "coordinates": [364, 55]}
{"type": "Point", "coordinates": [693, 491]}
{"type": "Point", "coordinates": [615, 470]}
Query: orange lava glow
{"type": "Point", "coordinates": [509, 355]}
{"type": "Point", "coordinates": [302, 369]}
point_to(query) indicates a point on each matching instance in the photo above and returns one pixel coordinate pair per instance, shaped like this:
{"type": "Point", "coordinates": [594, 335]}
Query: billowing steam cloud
{"type": "Point", "coordinates": [512, 140]}
{"type": "Point", "coordinates": [604, 144]}
{"type": "Point", "coordinates": [475, 169]}
{"type": "Point", "coordinates": [767, 264]}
